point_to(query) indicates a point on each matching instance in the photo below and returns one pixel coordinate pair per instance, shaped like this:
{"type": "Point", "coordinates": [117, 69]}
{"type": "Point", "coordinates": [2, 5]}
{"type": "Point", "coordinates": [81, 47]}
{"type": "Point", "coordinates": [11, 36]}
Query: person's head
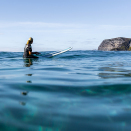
{"type": "Point", "coordinates": [30, 41]}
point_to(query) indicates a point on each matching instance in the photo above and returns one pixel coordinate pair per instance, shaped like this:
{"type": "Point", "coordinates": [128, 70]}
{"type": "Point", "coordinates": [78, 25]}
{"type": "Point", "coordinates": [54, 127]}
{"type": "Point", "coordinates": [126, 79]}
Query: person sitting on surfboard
{"type": "Point", "coordinates": [28, 50]}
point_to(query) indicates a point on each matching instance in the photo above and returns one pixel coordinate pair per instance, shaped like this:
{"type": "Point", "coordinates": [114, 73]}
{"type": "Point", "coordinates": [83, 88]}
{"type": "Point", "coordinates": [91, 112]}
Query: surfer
{"type": "Point", "coordinates": [28, 50]}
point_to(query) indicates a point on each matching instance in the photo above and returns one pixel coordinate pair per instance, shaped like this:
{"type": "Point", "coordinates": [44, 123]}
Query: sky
{"type": "Point", "coordinates": [59, 24]}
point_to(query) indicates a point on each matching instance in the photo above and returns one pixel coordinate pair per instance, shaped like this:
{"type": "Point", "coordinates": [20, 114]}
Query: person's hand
{"type": "Point", "coordinates": [37, 53]}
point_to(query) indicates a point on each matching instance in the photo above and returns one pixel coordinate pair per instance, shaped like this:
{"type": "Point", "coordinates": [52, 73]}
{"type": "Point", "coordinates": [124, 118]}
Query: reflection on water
{"type": "Point", "coordinates": [28, 62]}
{"type": "Point", "coordinates": [29, 81]}
{"type": "Point", "coordinates": [29, 74]}
{"type": "Point", "coordinates": [110, 72]}
{"type": "Point", "coordinates": [24, 93]}
{"type": "Point", "coordinates": [23, 103]}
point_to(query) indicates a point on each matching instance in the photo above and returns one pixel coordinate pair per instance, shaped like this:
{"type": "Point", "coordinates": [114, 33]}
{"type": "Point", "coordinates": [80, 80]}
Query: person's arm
{"type": "Point", "coordinates": [37, 53]}
{"type": "Point", "coordinates": [30, 51]}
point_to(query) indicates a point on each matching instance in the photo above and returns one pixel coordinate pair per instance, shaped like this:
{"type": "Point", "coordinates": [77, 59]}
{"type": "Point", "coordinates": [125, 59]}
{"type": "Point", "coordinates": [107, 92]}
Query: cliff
{"type": "Point", "coordinates": [116, 44]}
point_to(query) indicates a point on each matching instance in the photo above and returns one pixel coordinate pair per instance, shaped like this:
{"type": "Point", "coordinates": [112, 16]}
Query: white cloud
{"type": "Point", "coordinates": [68, 27]}
{"type": "Point", "coordinates": [41, 25]}
{"type": "Point", "coordinates": [115, 27]}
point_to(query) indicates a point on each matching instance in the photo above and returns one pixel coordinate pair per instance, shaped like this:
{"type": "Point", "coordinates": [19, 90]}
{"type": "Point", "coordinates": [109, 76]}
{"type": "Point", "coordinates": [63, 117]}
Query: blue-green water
{"type": "Point", "coordinates": [74, 91]}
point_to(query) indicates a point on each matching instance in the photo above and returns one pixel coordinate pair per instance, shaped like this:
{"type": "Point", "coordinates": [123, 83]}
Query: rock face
{"type": "Point", "coordinates": [116, 44]}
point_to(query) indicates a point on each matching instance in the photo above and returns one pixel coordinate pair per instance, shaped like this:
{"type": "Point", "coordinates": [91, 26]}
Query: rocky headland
{"type": "Point", "coordinates": [116, 44]}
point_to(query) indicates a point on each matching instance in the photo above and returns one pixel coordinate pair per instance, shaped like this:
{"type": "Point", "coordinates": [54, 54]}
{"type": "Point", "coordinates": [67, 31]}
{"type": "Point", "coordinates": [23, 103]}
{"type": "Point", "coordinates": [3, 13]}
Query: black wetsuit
{"type": "Point", "coordinates": [26, 52]}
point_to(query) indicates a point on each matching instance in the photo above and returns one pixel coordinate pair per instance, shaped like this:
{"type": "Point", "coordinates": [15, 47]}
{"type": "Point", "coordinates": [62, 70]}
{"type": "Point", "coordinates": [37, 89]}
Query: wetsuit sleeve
{"type": "Point", "coordinates": [29, 48]}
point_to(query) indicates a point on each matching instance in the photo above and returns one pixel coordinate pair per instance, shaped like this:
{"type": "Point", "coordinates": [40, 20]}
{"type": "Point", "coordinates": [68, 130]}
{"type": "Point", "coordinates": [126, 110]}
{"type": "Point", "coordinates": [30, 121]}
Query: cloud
{"type": "Point", "coordinates": [115, 27]}
{"type": "Point", "coordinates": [40, 25]}
{"type": "Point", "coordinates": [68, 27]}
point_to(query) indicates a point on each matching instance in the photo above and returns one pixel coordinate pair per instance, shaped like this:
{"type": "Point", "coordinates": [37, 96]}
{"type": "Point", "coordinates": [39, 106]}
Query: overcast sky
{"type": "Point", "coordinates": [59, 24]}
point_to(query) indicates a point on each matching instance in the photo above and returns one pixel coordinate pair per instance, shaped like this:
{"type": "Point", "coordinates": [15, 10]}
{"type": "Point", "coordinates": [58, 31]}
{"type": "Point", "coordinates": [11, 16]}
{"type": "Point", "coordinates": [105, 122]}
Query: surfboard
{"type": "Point", "coordinates": [57, 53]}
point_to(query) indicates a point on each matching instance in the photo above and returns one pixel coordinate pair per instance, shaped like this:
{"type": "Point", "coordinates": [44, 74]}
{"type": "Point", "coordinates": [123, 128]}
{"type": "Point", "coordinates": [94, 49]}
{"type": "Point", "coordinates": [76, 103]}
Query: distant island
{"type": "Point", "coordinates": [116, 44]}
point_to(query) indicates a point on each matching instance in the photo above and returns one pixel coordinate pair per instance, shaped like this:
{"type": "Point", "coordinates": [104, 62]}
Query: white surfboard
{"type": "Point", "coordinates": [57, 53]}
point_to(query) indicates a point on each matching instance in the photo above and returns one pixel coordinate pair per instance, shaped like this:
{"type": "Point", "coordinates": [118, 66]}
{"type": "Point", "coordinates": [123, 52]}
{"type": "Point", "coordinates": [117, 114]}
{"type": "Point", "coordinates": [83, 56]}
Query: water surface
{"type": "Point", "coordinates": [74, 91]}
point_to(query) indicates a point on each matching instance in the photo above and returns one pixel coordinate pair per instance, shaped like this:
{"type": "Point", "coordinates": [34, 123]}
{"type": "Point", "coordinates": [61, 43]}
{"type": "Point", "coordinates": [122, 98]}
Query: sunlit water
{"type": "Point", "coordinates": [74, 91]}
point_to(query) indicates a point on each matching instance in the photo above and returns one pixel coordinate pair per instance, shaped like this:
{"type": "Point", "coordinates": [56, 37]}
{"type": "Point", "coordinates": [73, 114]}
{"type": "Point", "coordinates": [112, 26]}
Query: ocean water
{"type": "Point", "coordinates": [74, 91]}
